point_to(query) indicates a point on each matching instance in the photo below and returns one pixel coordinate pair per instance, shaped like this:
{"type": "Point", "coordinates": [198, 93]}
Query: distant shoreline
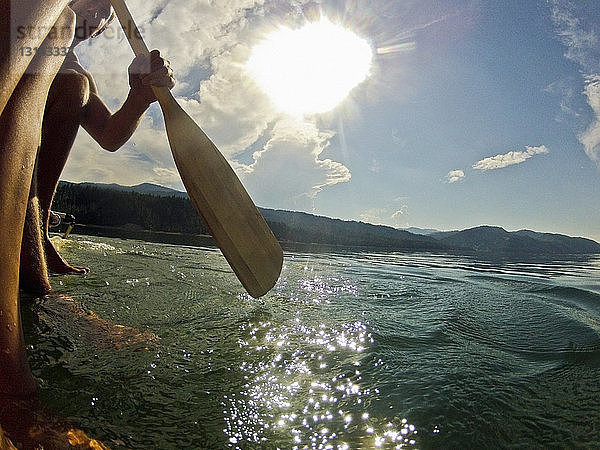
{"type": "Point", "coordinates": [206, 241]}
{"type": "Point", "coordinates": [157, 214]}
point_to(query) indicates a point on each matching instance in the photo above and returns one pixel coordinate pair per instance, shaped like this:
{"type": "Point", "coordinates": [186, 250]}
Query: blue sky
{"type": "Point", "coordinates": [475, 112]}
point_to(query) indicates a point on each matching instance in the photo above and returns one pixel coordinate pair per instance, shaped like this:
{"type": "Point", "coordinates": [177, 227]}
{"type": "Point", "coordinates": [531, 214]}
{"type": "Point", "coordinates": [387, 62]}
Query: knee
{"type": "Point", "coordinates": [73, 91]}
{"type": "Point", "coordinates": [64, 29]}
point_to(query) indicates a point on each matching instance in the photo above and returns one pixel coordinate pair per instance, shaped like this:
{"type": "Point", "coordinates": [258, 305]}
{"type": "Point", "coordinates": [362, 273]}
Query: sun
{"type": "Point", "coordinates": [312, 69]}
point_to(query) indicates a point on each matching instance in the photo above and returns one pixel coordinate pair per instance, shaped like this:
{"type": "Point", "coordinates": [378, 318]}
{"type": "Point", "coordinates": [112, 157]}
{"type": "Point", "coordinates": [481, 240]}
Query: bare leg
{"type": "Point", "coordinates": [20, 132]}
{"type": "Point", "coordinates": [33, 275]}
{"type": "Point", "coordinates": [68, 94]}
{"type": "Point", "coordinates": [40, 14]}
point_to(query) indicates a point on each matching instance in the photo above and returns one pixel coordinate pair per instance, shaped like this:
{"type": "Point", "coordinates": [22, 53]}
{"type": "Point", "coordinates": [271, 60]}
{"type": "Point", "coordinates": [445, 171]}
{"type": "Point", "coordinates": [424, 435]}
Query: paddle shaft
{"type": "Point", "coordinates": [233, 220]}
{"type": "Point", "coordinates": [130, 28]}
{"type": "Point", "coordinates": [136, 41]}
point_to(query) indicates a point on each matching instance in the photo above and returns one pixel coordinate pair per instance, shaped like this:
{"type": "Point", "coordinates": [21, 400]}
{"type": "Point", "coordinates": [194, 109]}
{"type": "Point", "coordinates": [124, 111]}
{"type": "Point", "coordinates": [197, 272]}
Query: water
{"type": "Point", "coordinates": [352, 351]}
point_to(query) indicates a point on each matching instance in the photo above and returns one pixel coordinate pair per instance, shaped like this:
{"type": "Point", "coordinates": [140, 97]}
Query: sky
{"type": "Point", "coordinates": [472, 112]}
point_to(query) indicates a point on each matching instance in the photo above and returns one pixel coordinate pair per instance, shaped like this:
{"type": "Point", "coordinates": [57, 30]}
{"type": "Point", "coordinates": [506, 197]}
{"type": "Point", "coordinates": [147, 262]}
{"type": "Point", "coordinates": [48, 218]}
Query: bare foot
{"type": "Point", "coordinates": [57, 264]}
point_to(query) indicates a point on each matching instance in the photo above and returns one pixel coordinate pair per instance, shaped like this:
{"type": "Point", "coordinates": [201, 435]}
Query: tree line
{"type": "Point", "coordinates": [109, 207]}
{"type": "Point", "coordinates": [93, 205]}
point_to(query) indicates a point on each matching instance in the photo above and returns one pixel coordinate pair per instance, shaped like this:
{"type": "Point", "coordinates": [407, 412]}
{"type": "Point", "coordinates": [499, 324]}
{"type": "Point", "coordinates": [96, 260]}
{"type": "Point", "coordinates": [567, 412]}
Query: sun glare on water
{"type": "Point", "coordinates": [312, 69]}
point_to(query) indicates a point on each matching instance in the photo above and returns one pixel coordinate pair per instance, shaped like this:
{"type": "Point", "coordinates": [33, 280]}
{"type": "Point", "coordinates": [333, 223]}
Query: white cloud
{"type": "Point", "coordinates": [568, 89]}
{"type": "Point", "coordinates": [229, 106]}
{"type": "Point", "coordinates": [580, 37]}
{"type": "Point", "coordinates": [400, 212]}
{"type": "Point", "coordinates": [509, 159]}
{"type": "Point", "coordinates": [394, 214]}
{"type": "Point", "coordinates": [207, 43]}
{"type": "Point", "coordinates": [454, 176]}
{"type": "Point", "coordinates": [591, 137]}
{"type": "Point", "coordinates": [288, 171]}
{"type": "Point", "coordinates": [145, 158]}
{"type": "Point", "coordinates": [582, 40]}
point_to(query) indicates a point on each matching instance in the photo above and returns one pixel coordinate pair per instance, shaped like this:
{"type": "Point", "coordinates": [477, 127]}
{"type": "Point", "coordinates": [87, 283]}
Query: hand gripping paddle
{"type": "Point", "coordinates": [232, 219]}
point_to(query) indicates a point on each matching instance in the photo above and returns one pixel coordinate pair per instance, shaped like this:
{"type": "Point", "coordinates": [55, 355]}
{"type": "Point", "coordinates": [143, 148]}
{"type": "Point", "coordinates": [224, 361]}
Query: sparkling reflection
{"type": "Point", "coordinates": [304, 385]}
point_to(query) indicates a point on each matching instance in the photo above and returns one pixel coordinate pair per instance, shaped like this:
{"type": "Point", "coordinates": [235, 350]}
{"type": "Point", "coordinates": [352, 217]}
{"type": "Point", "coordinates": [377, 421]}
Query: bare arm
{"type": "Point", "coordinates": [111, 131]}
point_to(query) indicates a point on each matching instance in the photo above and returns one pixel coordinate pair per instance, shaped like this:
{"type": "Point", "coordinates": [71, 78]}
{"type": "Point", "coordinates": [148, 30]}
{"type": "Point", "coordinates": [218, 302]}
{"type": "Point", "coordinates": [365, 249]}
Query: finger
{"type": "Point", "coordinates": [162, 71]}
{"type": "Point", "coordinates": [143, 63]}
{"type": "Point", "coordinates": [159, 80]}
{"type": "Point", "coordinates": [157, 63]}
{"type": "Point", "coordinates": [140, 64]}
{"type": "Point", "coordinates": [140, 60]}
{"type": "Point", "coordinates": [166, 81]}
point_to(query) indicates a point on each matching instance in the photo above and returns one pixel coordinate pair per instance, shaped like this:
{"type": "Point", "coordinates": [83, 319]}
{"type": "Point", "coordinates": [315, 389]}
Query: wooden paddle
{"type": "Point", "coordinates": [233, 220]}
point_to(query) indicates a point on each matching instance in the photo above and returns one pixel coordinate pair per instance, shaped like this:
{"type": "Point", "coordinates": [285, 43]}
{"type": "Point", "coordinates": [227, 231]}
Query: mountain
{"type": "Point", "coordinates": [562, 243]}
{"type": "Point", "coordinates": [148, 207]}
{"type": "Point", "coordinates": [421, 231]}
{"type": "Point", "coordinates": [307, 228]}
{"type": "Point", "coordinates": [144, 188]}
{"type": "Point", "coordinates": [160, 209]}
{"type": "Point", "coordinates": [496, 240]}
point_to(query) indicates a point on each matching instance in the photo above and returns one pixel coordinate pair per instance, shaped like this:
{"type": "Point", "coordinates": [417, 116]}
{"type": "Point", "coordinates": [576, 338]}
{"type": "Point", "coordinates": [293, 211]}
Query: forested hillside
{"type": "Point", "coordinates": [104, 205]}
{"type": "Point", "coordinates": [148, 207]}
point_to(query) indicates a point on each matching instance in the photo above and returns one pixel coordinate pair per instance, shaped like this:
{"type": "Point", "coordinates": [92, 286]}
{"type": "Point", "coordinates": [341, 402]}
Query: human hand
{"type": "Point", "coordinates": [149, 70]}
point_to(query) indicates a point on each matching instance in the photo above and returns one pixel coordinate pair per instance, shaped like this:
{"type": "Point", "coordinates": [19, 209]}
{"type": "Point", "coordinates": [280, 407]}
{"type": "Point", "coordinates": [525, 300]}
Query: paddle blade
{"type": "Point", "coordinates": [217, 193]}
{"type": "Point", "coordinates": [233, 220]}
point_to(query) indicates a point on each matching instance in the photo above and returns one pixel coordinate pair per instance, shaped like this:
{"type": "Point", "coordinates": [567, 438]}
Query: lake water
{"type": "Point", "coordinates": [357, 350]}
